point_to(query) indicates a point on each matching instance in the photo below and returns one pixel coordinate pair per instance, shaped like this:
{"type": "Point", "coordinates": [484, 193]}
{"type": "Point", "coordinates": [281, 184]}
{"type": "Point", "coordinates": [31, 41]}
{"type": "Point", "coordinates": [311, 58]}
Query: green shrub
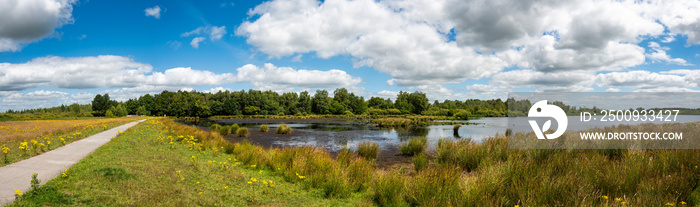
{"type": "Point", "coordinates": [414, 146]}
{"type": "Point", "coordinates": [368, 150]}
{"type": "Point", "coordinates": [462, 115]}
{"type": "Point", "coordinates": [284, 129]}
{"type": "Point", "coordinates": [420, 161]}
{"type": "Point", "coordinates": [224, 130]}
{"type": "Point", "coordinates": [233, 128]}
{"type": "Point", "coordinates": [264, 128]}
{"type": "Point", "coordinates": [242, 132]}
{"type": "Point", "coordinates": [214, 127]}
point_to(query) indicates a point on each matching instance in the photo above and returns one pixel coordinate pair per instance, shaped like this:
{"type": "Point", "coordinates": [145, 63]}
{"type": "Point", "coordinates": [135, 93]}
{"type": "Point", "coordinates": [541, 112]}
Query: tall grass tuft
{"type": "Point", "coordinates": [345, 156]}
{"type": "Point", "coordinates": [368, 150]}
{"type": "Point", "coordinates": [360, 173]}
{"type": "Point", "coordinates": [228, 129]}
{"type": "Point", "coordinates": [420, 162]}
{"type": "Point", "coordinates": [436, 186]}
{"type": "Point", "coordinates": [284, 129]}
{"type": "Point", "coordinates": [264, 128]}
{"type": "Point", "coordinates": [389, 189]}
{"type": "Point", "coordinates": [242, 132]}
{"type": "Point", "coordinates": [233, 128]}
{"type": "Point", "coordinates": [414, 146]}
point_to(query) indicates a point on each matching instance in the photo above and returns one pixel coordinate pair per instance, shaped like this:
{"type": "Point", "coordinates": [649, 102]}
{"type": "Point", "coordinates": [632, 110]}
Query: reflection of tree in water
{"type": "Point", "coordinates": [406, 134]}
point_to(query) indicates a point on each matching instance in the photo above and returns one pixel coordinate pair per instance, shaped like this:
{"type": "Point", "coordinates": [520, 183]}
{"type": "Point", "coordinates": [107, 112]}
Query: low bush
{"type": "Point", "coordinates": [462, 115]}
{"type": "Point", "coordinates": [264, 128]}
{"type": "Point", "coordinates": [368, 150]}
{"type": "Point", "coordinates": [284, 129]}
{"type": "Point", "coordinates": [224, 130]}
{"type": "Point", "coordinates": [242, 132]}
{"type": "Point", "coordinates": [414, 146]}
{"type": "Point", "coordinates": [215, 127]}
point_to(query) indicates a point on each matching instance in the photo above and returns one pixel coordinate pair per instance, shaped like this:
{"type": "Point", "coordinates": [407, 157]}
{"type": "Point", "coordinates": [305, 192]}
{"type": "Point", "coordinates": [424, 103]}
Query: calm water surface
{"type": "Point", "coordinates": [334, 136]}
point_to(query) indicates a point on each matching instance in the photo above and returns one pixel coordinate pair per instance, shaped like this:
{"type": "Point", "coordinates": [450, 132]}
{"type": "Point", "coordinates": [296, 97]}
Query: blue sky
{"type": "Point", "coordinates": [64, 51]}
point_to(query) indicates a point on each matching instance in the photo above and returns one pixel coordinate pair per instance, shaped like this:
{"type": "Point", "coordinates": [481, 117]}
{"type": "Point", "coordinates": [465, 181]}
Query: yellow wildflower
{"type": "Point", "coordinates": [200, 193]}
{"type": "Point", "coordinates": [177, 172]}
{"type": "Point", "coordinates": [253, 166]}
{"type": "Point", "coordinates": [670, 204]}
{"type": "Point", "coordinates": [18, 192]}
{"type": "Point", "coordinates": [618, 199]}
{"type": "Point", "coordinates": [260, 172]}
{"type": "Point", "coordinates": [225, 187]}
{"type": "Point", "coordinates": [683, 203]}
{"type": "Point", "coordinates": [64, 174]}
{"type": "Point", "coordinates": [604, 197]}
{"type": "Point", "coordinates": [197, 182]}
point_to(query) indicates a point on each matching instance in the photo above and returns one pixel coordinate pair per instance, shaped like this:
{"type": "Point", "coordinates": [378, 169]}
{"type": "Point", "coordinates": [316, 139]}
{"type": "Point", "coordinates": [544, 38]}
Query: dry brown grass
{"type": "Point", "coordinates": [21, 130]}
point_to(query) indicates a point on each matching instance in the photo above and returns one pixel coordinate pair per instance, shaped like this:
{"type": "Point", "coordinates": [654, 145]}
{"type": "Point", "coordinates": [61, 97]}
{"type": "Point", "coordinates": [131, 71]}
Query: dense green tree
{"type": "Point", "coordinates": [251, 110]}
{"type": "Point", "coordinates": [304, 104]}
{"type": "Point", "coordinates": [337, 108]}
{"type": "Point", "coordinates": [132, 106]}
{"type": "Point", "coordinates": [141, 110]}
{"type": "Point", "coordinates": [100, 104]}
{"type": "Point", "coordinates": [321, 103]}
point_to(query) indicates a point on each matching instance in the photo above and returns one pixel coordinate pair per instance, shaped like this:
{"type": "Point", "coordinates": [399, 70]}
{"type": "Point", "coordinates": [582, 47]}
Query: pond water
{"type": "Point", "coordinates": [336, 134]}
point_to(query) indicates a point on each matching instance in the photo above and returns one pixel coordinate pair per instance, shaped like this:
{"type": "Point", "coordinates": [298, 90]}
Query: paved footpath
{"type": "Point", "coordinates": [51, 163]}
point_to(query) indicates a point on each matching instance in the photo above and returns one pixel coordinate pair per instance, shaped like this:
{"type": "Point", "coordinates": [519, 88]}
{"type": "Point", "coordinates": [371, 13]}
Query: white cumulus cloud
{"type": "Point", "coordinates": [436, 42]}
{"type": "Point", "coordinates": [271, 77]}
{"type": "Point", "coordinates": [98, 72]}
{"type": "Point", "coordinates": [26, 21]}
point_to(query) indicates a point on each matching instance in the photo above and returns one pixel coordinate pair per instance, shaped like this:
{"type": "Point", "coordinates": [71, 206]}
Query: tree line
{"type": "Point", "coordinates": [256, 102]}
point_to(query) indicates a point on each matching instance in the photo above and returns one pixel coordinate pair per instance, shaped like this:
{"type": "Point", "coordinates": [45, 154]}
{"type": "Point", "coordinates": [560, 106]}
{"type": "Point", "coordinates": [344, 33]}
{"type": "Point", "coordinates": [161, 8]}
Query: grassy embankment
{"type": "Point", "coordinates": [20, 140]}
{"type": "Point", "coordinates": [458, 173]}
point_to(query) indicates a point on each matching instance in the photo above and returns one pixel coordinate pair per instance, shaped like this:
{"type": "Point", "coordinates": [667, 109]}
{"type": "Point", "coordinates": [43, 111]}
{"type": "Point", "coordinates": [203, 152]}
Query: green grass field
{"type": "Point", "coordinates": [141, 168]}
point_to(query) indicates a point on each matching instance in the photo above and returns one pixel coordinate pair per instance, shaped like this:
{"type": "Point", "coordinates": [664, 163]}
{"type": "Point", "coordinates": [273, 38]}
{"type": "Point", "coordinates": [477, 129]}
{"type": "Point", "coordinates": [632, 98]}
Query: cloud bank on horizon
{"type": "Point", "coordinates": [450, 49]}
